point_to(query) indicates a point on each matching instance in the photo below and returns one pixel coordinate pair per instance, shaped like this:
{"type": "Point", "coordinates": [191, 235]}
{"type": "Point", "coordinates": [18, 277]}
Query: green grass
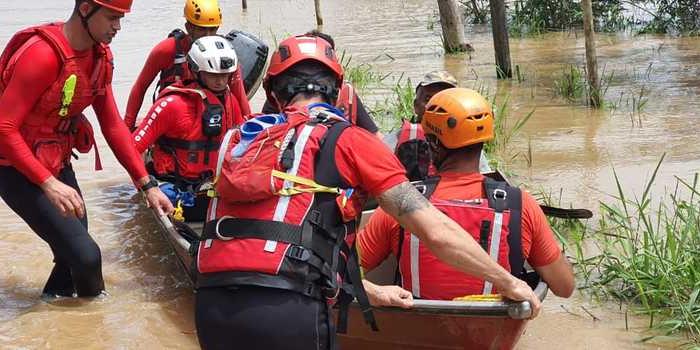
{"type": "Point", "coordinates": [397, 105]}
{"type": "Point", "coordinates": [362, 76]}
{"type": "Point", "coordinates": [649, 256]}
{"type": "Point", "coordinates": [500, 151]}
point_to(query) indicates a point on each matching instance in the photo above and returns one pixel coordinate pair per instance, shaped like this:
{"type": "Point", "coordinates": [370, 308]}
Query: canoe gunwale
{"type": "Point", "coordinates": [510, 309]}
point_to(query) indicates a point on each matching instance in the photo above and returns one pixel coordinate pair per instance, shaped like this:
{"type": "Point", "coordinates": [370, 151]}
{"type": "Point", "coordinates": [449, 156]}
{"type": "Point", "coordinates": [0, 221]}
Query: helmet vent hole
{"type": "Point", "coordinates": [284, 53]}
{"type": "Point", "coordinates": [451, 122]}
{"type": "Point", "coordinates": [219, 45]}
{"type": "Point", "coordinates": [480, 128]}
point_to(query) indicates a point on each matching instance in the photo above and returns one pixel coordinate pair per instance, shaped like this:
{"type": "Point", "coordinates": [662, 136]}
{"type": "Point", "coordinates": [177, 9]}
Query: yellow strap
{"type": "Point", "coordinates": [179, 213]}
{"type": "Point", "coordinates": [480, 297]}
{"type": "Point", "coordinates": [68, 93]}
{"type": "Point", "coordinates": [311, 185]}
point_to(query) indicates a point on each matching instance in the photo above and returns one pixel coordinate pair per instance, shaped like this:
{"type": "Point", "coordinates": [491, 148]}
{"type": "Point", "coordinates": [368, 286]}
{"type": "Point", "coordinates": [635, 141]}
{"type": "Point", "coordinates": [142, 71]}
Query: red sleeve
{"type": "Point", "coordinates": [539, 245]}
{"type": "Point", "coordinates": [36, 70]}
{"type": "Point", "coordinates": [366, 163]}
{"type": "Point", "coordinates": [238, 91]}
{"type": "Point", "coordinates": [378, 239]}
{"type": "Point", "coordinates": [117, 135]}
{"type": "Point", "coordinates": [160, 58]}
{"type": "Point", "coordinates": [161, 119]}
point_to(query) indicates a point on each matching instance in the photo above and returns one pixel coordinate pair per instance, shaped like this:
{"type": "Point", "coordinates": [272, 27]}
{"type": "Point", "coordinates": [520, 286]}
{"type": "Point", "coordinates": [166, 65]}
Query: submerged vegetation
{"type": "Point", "coordinates": [646, 254]}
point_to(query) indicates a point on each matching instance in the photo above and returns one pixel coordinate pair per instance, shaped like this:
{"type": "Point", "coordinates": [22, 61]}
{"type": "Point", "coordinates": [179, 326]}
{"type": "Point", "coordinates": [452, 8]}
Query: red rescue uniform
{"type": "Point", "coordinates": [161, 59]}
{"type": "Point", "coordinates": [264, 244]}
{"type": "Point", "coordinates": [175, 119]}
{"type": "Point", "coordinates": [380, 237]}
{"type": "Point", "coordinates": [45, 85]}
{"type": "Point", "coordinates": [31, 101]}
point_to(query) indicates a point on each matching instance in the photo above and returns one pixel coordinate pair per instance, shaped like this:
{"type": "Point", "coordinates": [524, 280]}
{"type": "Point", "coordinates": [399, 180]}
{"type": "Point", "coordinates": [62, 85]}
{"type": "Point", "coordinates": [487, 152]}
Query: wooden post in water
{"type": "Point", "coordinates": [319, 17]}
{"type": "Point", "coordinates": [591, 56]}
{"type": "Point", "coordinates": [244, 3]}
{"type": "Point", "coordinates": [501, 46]}
{"type": "Point", "coordinates": [452, 27]}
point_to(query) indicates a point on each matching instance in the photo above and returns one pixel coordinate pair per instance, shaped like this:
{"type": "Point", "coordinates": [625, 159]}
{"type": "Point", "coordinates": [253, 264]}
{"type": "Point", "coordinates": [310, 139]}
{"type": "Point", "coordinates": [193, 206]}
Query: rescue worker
{"type": "Point", "coordinates": [187, 122]}
{"type": "Point", "coordinates": [168, 58]}
{"type": "Point", "coordinates": [457, 122]}
{"type": "Point", "coordinates": [49, 74]}
{"type": "Point", "coordinates": [348, 101]}
{"type": "Point", "coordinates": [409, 141]}
{"type": "Point", "coordinates": [280, 229]}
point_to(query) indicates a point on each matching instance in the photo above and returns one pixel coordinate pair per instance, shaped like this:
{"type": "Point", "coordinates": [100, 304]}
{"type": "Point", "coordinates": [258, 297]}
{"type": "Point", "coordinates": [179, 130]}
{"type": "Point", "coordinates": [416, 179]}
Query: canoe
{"type": "Point", "coordinates": [430, 324]}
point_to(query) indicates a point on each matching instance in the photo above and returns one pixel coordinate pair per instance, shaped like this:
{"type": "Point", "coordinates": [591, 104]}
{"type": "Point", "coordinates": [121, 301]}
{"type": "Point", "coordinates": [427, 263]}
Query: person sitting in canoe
{"type": "Point", "coordinates": [186, 124]}
{"type": "Point", "coordinates": [280, 230]}
{"type": "Point", "coordinates": [168, 58]}
{"type": "Point", "coordinates": [409, 141]}
{"type": "Point", "coordinates": [347, 101]}
{"type": "Point", "coordinates": [507, 222]}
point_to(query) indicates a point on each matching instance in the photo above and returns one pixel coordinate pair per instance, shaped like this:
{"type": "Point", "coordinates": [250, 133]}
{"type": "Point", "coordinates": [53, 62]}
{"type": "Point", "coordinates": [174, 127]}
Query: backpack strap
{"type": "Point", "coordinates": [502, 196]}
{"type": "Point", "coordinates": [426, 187]}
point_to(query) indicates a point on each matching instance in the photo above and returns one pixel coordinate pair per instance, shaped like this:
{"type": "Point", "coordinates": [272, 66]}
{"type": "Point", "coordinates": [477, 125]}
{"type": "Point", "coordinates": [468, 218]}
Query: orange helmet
{"type": "Point", "coordinates": [203, 13]}
{"type": "Point", "coordinates": [301, 48]}
{"type": "Point", "coordinates": [123, 6]}
{"type": "Point", "coordinates": [458, 117]}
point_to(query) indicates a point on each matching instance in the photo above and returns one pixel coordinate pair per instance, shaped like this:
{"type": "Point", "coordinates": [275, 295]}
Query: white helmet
{"type": "Point", "coordinates": [213, 54]}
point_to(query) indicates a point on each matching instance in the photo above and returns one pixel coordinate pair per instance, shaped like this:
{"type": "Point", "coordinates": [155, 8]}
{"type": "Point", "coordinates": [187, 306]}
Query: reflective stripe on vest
{"type": "Point", "coordinates": [413, 133]}
{"type": "Point", "coordinates": [415, 266]}
{"type": "Point", "coordinates": [283, 201]}
{"type": "Point", "coordinates": [495, 246]}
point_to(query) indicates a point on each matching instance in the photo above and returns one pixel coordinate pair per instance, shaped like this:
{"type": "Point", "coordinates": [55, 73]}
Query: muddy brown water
{"type": "Point", "coordinates": [574, 149]}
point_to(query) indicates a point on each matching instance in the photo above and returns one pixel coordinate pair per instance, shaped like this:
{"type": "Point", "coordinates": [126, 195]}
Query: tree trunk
{"type": "Point", "coordinates": [319, 17]}
{"type": "Point", "coordinates": [452, 27]}
{"type": "Point", "coordinates": [244, 3]}
{"type": "Point", "coordinates": [500, 38]}
{"type": "Point", "coordinates": [591, 56]}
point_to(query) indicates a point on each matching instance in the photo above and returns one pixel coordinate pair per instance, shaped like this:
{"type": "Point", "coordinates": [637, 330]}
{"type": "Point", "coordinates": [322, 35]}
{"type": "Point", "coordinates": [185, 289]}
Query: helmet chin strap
{"type": "Point", "coordinates": [84, 21]}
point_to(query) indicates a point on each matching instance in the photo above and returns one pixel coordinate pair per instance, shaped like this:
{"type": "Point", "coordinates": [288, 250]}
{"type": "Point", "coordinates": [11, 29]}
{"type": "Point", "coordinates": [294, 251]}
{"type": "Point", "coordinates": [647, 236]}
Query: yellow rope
{"type": "Point", "coordinates": [311, 185]}
{"type": "Point", "coordinates": [481, 297]}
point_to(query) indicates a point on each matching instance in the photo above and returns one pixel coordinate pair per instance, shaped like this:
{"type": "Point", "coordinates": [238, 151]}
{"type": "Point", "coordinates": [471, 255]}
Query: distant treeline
{"type": "Point", "coordinates": [678, 17]}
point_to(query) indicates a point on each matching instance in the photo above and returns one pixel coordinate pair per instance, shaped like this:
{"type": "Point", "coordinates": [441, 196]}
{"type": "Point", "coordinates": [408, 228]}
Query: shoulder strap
{"type": "Point", "coordinates": [179, 35]}
{"type": "Point", "coordinates": [426, 187]}
{"type": "Point", "coordinates": [326, 169]}
{"type": "Point", "coordinates": [502, 196]}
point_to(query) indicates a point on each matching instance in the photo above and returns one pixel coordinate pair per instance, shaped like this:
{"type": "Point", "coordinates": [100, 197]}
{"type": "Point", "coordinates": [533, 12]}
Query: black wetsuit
{"type": "Point", "coordinates": [77, 258]}
{"type": "Point", "coordinates": [249, 317]}
{"type": "Point", "coordinates": [364, 120]}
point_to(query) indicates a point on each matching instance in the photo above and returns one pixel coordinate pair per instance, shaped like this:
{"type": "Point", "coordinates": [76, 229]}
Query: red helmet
{"type": "Point", "coordinates": [123, 6]}
{"type": "Point", "coordinates": [301, 48]}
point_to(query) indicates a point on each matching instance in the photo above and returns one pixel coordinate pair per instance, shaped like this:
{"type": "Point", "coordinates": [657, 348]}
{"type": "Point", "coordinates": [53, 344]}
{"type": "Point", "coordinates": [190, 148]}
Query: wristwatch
{"type": "Point", "coordinates": [152, 182]}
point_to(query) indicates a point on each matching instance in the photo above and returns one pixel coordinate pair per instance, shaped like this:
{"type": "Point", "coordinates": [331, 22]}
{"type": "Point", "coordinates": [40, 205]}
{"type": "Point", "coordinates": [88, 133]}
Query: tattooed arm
{"type": "Point", "coordinates": [448, 241]}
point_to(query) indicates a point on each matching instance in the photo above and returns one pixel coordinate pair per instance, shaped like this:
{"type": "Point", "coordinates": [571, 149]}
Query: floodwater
{"type": "Point", "coordinates": [573, 149]}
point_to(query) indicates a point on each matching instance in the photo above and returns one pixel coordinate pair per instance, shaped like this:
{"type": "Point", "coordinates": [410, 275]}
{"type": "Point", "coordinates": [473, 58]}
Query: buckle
{"type": "Point", "coordinates": [499, 194]}
{"type": "Point", "coordinates": [298, 253]}
{"type": "Point", "coordinates": [314, 217]}
{"type": "Point", "coordinates": [330, 293]}
{"type": "Point", "coordinates": [216, 229]}
{"type": "Point", "coordinates": [421, 188]}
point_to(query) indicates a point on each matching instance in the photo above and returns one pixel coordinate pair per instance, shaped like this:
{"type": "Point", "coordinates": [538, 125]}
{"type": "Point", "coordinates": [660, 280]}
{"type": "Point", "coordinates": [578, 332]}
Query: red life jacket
{"type": "Point", "coordinates": [193, 158]}
{"type": "Point", "coordinates": [283, 217]}
{"type": "Point", "coordinates": [494, 222]}
{"type": "Point", "coordinates": [179, 71]}
{"type": "Point", "coordinates": [413, 151]}
{"type": "Point", "coordinates": [51, 127]}
{"type": "Point", "coordinates": [347, 102]}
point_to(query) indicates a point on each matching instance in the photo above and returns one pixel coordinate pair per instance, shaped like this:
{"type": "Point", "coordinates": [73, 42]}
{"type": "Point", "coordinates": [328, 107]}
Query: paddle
{"type": "Point", "coordinates": [566, 213]}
